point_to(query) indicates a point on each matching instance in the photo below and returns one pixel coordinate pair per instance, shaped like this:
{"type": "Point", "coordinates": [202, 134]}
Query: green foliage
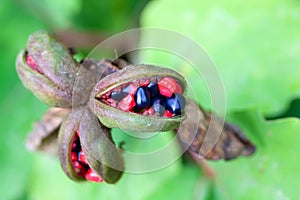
{"type": "Point", "coordinates": [270, 174]}
{"type": "Point", "coordinates": [255, 46]}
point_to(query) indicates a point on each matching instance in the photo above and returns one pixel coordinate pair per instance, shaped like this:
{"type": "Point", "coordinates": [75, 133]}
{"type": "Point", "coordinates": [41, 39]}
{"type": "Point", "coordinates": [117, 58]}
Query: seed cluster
{"type": "Point", "coordinates": [150, 96]}
{"type": "Point", "coordinates": [79, 162]}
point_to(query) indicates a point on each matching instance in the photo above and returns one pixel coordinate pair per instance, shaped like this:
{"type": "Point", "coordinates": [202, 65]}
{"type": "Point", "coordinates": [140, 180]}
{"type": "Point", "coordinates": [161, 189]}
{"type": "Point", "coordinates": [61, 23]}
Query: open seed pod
{"type": "Point", "coordinates": [213, 138]}
{"type": "Point", "coordinates": [141, 98]}
{"type": "Point", "coordinates": [86, 150]}
{"type": "Point", "coordinates": [47, 69]}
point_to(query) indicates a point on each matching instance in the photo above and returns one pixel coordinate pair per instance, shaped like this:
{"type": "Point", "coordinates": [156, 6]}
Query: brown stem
{"type": "Point", "coordinates": [208, 171]}
{"type": "Point", "coordinates": [76, 39]}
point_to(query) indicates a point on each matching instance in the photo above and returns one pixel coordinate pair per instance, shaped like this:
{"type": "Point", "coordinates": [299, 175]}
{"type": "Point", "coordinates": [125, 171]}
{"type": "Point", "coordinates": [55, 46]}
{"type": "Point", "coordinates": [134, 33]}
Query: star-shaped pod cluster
{"type": "Point", "coordinates": [90, 98]}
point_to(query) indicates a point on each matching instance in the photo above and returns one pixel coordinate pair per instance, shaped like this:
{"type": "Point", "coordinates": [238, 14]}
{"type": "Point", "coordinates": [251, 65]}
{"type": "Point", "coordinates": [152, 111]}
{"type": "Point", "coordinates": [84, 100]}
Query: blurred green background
{"type": "Point", "coordinates": [255, 46]}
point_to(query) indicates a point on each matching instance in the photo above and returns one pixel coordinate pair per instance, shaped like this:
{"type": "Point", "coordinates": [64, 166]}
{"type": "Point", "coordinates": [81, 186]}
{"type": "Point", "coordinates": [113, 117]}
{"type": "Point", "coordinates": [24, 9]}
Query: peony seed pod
{"type": "Point", "coordinates": [47, 69]}
{"type": "Point", "coordinates": [86, 150]}
{"type": "Point", "coordinates": [141, 98]}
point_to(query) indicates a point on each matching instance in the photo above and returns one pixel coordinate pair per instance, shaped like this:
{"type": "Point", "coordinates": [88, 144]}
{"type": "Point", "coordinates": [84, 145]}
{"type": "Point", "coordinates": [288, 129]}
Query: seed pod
{"type": "Point", "coordinates": [80, 133]}
{"type": "Point", "coordinates": [130, 117]}
{"type": "Point", "coordinates": [47, 69]}
{"type": "Point", "coordinates": [223, 141]}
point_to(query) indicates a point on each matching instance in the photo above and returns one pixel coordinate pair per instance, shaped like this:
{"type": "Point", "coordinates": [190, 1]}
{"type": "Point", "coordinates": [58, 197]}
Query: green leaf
{"type": "Point", "coordinates": [55, 13]}
{"type": "Point", "coordinates": [111, 16]}
{"type": "Point", "coordinates": [255, 46]}
{"type": "Point", "coordinates": [16, 160]}
{"type": "Point", "coordinates": [47, 177]}
{"type": "Point", "coordinates": [272, 173]}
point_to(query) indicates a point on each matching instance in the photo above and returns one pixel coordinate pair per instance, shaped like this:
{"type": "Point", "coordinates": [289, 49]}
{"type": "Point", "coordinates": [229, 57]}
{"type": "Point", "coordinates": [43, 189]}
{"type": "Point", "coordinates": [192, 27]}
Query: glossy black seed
{"type": "Point", "coordinates": [153, 89]}
{"type": "Point", "coordinates": [142, 97]}
{"type": "Point", "coordinates": [175, 103]}
{"type": "Point", "coordinates": [159, 105]}
{"type": "Point", "coordinates": [117, 96]}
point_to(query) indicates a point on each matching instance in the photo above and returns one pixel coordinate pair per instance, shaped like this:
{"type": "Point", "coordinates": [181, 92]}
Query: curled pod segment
{"type": "Point", "coordinates": [210, 137]}
{"type": "Point", "coordinates": [86, 150]}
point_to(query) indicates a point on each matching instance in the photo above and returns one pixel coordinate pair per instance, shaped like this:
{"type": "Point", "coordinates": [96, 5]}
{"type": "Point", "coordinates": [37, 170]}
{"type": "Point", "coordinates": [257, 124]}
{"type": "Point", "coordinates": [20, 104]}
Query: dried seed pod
{"type": "Point", "coordinates": [81, 131]}
{"type": "Point", "coordinates": [130, 116]}
{"type": "Point", "coordinates": [47, 69]}
{"type": "Point", "coordinates": [44, 134]}
{"type": "Point", "coordinates": [222, 142]}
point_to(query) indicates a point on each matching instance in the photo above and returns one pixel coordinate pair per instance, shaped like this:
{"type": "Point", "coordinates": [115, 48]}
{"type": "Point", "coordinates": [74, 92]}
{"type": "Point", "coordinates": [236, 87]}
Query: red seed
{"type": "Point", "coordinates": [76, 143]}
{"type": "Point", "coordinates": [165, 91]}
{"type": "Point", "coordinates": [77, 166]}
{"type": "Point", "coordinates": [82, 158]}
{"type": "Point", "coordinates": [32, 64]}
{"type": "Point", "coordinates": [127, 103]}
{"type": "Point", "coordinates": [149, 111]}
{"type": "Point", "coordinates": [30, 61]}
{"type": "Point", "coordinates": [178, 89]}
{"type": "Point", "coordinates": [167, 86]}
{"type": "Point", "coordinates": [143, 82]}
{"type": "Point", "coordinates": [168, 114]}
{"type": "Point", "coordinates": [92, 176]}
{"type": "Point", "coordinates": [74, 156]}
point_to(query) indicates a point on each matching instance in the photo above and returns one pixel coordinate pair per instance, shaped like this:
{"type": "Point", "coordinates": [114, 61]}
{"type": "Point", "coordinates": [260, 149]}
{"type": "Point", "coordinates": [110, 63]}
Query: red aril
{"type": "Point", "coordinates": [167, 86]}
{"type": "Point", "coordinates": [127, 103]}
